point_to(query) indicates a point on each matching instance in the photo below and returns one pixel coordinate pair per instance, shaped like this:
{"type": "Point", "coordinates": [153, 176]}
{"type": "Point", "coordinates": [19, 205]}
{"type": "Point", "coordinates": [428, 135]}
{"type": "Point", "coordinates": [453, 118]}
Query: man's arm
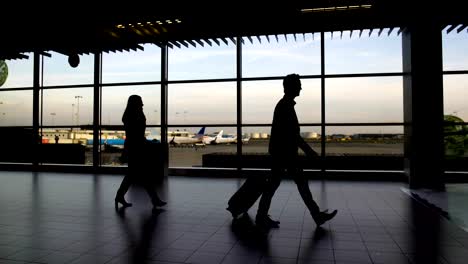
{"type": "Point", "coordinates": [305, 147]}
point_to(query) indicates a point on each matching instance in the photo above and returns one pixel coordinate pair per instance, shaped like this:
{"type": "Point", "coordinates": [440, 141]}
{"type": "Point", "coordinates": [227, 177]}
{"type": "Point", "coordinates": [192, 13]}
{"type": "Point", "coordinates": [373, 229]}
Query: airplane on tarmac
{"type": "Point", "coordinates": [219, 139]}
{"type": "Point", "coordinates": [178, 138]}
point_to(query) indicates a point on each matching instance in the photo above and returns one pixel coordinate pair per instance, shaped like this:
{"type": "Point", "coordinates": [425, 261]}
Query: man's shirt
{"type": "Point", "coordinates": [285, 130]}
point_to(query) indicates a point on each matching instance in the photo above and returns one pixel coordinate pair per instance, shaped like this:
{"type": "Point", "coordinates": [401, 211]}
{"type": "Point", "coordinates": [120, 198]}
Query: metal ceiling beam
{"type": "Point", "coordinates": [380, 32]}
{"type": "Point", "coordinates": [175, 43]}
{"type": "Point", "coordinates": [191, 42]}
{"type": "Point", "coordinates": [225, 41]}
{"type": "Point", "coordinates": [259, 39]}
{"type": "Point", "coordinates": [250, 39]}
{"type": "Point", "coordinates": [462, 27]}
{"type": "Point", "coordinates": [399, 31]}
{"type": "Point", "coordinates": [233, 40]}
{"type": "Point", "coordinates": [208, 41]}
{"type": "Point", "coordinates": [216, 41]}
{"type": "Point", "coordinates": [183, 43]}
{"type": "Point", "coordinates": [200, 42]}
{"type": "Point", "coordinates": [390, 31]}
{"type": "Point", "coordinates": [452, 27]}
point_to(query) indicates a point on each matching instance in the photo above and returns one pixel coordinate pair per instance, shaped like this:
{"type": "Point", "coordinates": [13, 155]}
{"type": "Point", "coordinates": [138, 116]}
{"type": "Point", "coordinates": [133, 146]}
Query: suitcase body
{"type": "Point", "coordinates": [246, 196]}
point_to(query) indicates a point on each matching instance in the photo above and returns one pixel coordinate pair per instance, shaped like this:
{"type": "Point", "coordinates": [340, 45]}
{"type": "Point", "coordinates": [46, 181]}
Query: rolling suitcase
{"type": "Point", "coordinates": [241, 201]}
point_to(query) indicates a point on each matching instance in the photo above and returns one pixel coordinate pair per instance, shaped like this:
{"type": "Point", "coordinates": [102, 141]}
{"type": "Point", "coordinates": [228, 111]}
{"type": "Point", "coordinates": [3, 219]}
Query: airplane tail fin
{"type": "Point", "coordinates": [200, 133]}
{"type": "Point", "coordinates": [219, 135]}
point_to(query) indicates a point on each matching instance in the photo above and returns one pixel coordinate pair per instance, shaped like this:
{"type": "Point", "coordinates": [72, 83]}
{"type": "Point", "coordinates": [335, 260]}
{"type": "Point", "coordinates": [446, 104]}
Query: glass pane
{"type": "Point", "coordinates": [20, 73]}
{"type": "Point", "coordinates": [352, 53]}
{"type": "Point", "coordinates": [132, 66]}
{"type": "Point", "coordinates": [57, 70]}
{"type": "Point", "coordinates": [456, 144]}
{"type": "Point", "coordinates": [16, 108]}
{"type": "Point", "coordinates": [193, 147]}
{"type": "Point", "coordinates": [208, 62]}
{"type": "Point", "coordinates": [65, 146]}
{"type": "Point", "coordinates": [258, 139]}
{"type": "Point", "coordinates": [456, 111]}
{"type": "Point", "coordinates": [280, 55]}
{"type": "Point", "coordinates": [202, 103]}
{"type": "Point", "coordinates": [67, 107]}
{"type": "Point", "coordinates": [455, 96]}
{"type": "Point", "coordinates": [455, 54]}
{"type": "Point", "coordinates": [259, 99]}
{"type": "Point", "coordinates": [363, 100]}
{"type": "Point", "coordinates": [114, 101]}
{"type": "Point", "coordinates": [111, 146]}
{"type": "Point", "coordinates": [364, 140]}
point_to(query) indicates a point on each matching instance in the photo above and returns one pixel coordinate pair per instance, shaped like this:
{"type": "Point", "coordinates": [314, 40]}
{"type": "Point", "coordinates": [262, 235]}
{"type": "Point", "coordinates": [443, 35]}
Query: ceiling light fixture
{"type": "Point", "coordinates": [335, 8]}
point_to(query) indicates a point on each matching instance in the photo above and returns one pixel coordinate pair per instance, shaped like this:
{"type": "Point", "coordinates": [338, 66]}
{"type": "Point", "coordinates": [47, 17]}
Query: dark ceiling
{"type": "Point", "coordinates": [79, 29]}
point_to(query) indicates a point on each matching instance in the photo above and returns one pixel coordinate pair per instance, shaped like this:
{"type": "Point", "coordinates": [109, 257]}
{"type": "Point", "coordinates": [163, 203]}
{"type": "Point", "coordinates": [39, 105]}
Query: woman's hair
{"type": "Point", "coordinates": [134, 108]}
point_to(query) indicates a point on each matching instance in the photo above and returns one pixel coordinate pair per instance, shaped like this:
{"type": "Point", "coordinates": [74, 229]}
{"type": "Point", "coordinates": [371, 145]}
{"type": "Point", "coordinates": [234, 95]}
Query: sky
{"type": "Point", "coordinates": [372, 99]}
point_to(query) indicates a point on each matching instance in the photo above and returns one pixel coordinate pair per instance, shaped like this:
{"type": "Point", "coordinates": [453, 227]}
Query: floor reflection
{"type": "Point", "coordinates": [70, 218]}
{"type": "Point", "coordinates": [140, 241]}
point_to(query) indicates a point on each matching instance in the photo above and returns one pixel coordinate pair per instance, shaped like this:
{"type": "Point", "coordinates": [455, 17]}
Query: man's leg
{"type": "Point", "coordinates": [303, 186]}
{"type": "Point", "coordinates": [304, 190]}
{"type": "Point", "coordinates": [269, 190]}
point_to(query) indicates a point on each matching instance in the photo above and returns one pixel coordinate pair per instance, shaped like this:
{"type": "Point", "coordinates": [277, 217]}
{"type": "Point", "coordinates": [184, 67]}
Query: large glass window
{"type": "Point", "coordinates": [259, 99]}
{"type": "Point", "coordinates": [114, 101]}
{"type": "Point", "coordinates": [198, 147]}
{"type": "Point", "coordinates": [363, 52]}
{"type": "Point", "coordinates": [20, 72]}
{"type": "Point", "coordinates": [364, 140]}
{"type": "Point", "coordinates": [202, 103]}
{"type": "Point", "coordinates": [455, 54]}
{"type": "Point", "coordinates": [364, 100]}
{"type": "Point", "coordinates": [207, 62]}
{"type": "Point", "coordinates": [455, 96]}
{"type": "Point", "coordinates": [280, 55]}
{"type": "Point", "coordinates": [455, 58]}
{"type": "Point", "coordinates": [67, 107]}
{"type": "Point", "coordinates": [16, 108]}
{"type": "Point", "coordinates": [57, 70]}
{"type": "Point", "coordinates": [134, 66]}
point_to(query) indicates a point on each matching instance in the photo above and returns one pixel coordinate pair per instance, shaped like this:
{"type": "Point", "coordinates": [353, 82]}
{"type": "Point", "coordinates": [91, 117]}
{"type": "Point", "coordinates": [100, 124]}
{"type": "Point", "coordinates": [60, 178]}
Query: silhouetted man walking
{"type": "Point", "coordinates": [285, 140]}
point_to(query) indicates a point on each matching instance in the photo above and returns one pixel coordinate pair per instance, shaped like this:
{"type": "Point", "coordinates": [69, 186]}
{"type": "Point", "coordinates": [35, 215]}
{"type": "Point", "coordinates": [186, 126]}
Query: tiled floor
{"type": "Point", "coordinates": [452, 202]}
{"type": "Point", "coordinates": [70, 218]}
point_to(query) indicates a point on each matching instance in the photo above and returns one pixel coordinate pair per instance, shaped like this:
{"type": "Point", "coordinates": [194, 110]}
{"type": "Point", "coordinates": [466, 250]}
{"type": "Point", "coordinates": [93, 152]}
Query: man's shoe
{"type": "Point", "coordinates": [266, 221]}
{"type": "Point", "coordinates": [324, 217]}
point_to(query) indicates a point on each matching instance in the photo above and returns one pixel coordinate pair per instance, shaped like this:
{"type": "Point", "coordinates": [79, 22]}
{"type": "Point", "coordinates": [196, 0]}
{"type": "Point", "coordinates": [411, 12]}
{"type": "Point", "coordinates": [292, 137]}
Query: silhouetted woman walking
{"type": "Point", "coordinates": [135, 145]}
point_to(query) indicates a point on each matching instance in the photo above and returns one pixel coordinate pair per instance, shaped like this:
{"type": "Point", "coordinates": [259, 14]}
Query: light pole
{"type": "Point", "coordinates": [73, 114]}
{"type": "Point", "coordinates": [185, 112]}
{"type": "Point", "coordinates": [78, 109]}
{"type": "Point", "coordinates": [53, 118]}
{"type": "Point", "coordinates": [156, 114]}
